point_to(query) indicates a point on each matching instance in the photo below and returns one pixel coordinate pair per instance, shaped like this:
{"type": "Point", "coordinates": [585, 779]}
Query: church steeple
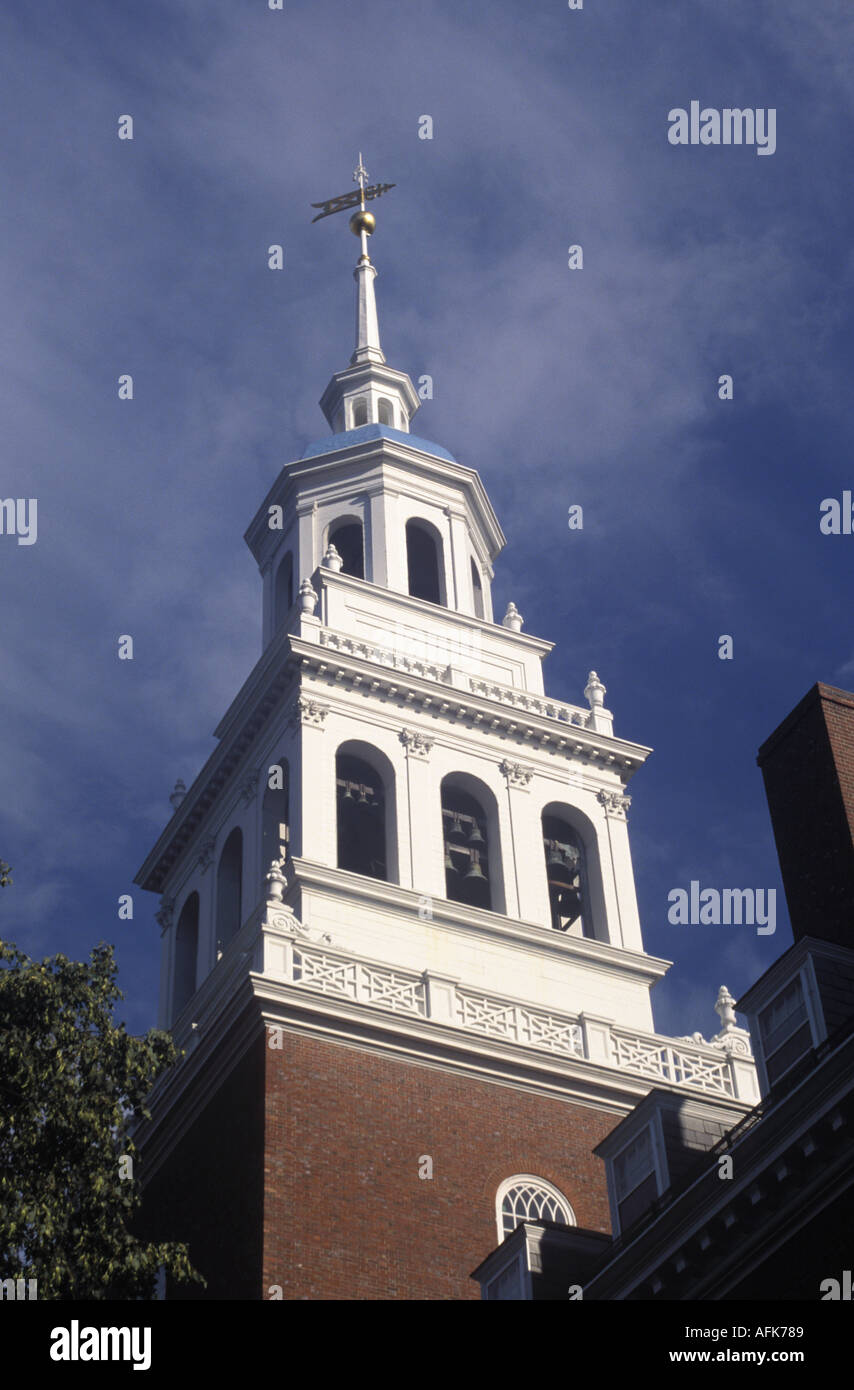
{"type": "Point", "coordinates": [368, 392]}
{"type": "Point", "coordinates": [362, 224]}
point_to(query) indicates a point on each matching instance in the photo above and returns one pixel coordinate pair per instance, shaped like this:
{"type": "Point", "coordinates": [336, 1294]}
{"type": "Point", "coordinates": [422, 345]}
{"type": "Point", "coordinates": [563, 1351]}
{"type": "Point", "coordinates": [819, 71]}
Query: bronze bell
{"type": "Point", "coordinates": [474, 870]}
{"type": "Point", "coordinates": [457, 828]}
{"type": "Point", "coordinates": [475, 838]}
{"type": "Point", "coordinates": [449, 863]}
{"type": "Point", "coordinates": [555, 859]}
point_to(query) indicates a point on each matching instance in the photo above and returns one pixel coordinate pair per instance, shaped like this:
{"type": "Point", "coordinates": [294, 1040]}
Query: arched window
{"type": "Point", "coordinates": [229, 888]}
{"type": "Point", "coordinates": [186, 947]}
{"type": "Point", "coordinates": [566, 874]}
{"type": "Point", "coordinates": [424, 561]}
{"type": "Point", "coordinates": [284, 599]}
{"type": "Point", "coordinates": [477, 591]}
{"type": "Point", "coordinates": [347, 537]}
{"type": "Point", "coordinates": [361, 817]}
{"type": "Point", "coordinates": [385, 411]}
{"type": "Point", "coordinates": [466, 844]}
{"type": "Point", "coordinates": [274, 815]}
{"type": "Point", "coordinates": [360, 412]}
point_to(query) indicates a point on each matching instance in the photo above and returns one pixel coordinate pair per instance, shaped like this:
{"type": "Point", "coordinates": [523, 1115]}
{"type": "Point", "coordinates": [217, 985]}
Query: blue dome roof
{"type": "Point", "coordinates": [365, 432]}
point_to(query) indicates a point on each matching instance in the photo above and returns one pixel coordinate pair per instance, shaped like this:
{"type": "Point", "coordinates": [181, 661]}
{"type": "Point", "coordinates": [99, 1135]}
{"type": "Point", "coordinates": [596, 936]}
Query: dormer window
{"type": "Point", "coordinates": [635, 1180]}
{"type": "Point", "coordinates": [784, 1029]}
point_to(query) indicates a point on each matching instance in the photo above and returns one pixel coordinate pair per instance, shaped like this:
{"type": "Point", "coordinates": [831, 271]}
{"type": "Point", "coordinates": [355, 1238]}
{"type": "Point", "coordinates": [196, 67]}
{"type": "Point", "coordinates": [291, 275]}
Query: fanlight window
{"type": "Point", "coordinates": [347, 537]}
{"type": "Point", "coordinates": [566, 872]}
{"type": "Point", "coordinates": [530, 1199]}
{"type": "Point", "coordinates": [360, 798]}
{"type": "Point", "coordinates": [464, 830]}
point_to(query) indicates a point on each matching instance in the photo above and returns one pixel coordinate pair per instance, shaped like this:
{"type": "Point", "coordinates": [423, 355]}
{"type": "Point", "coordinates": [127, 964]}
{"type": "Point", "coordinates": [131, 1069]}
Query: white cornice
{"type": "Point", "coordinates": [294, 476]}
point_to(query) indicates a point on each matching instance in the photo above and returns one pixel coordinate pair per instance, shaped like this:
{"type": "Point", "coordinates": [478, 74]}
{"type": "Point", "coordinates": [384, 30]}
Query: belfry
{"type": "Point", "coordinates": [401, 945]}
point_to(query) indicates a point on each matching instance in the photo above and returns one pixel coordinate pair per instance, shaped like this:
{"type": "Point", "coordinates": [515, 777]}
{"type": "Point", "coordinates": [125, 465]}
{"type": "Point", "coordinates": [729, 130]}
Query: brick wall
{"type": "Point", "coordinates": [808, 769]}
{"type": "Point", "coordinates": [346, 1215]}
{"type": "Point", "coordinates": [209, 1191]}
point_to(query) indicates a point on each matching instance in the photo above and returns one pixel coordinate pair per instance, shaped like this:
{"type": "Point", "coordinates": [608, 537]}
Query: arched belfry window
{"type": "Point", "coordinates": [348, 538]}
{"type": "Point", "coordinates": [424, 561]}
{"type": "Point", "coordinates": [385, 411]}
{"type": "Point", "coordinates": [477, 591]}
{"type": "Point", "coordinates": [274, 815]}
{"type": "Point", "coordinates": [360, 411]}
{"type": "Point", "coordinates": [566, 874]}
{"type": "Point", "coordinates": [465, 834]}
{"type": "Point", "coordinates": [229, 888]}
{"type": "Point", "coordinates": [528, 1198]}
{"type": "Point", "coordinates": [361, 816]}
{"type": "Point", "coordinates": [284, 598]}
{"type": "Point", "coordinates": [186, 948]}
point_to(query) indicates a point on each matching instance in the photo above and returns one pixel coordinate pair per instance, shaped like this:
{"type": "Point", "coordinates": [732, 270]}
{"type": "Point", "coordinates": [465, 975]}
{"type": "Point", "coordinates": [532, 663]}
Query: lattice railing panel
{"type": "Point", "coordinates": [681, 1065]}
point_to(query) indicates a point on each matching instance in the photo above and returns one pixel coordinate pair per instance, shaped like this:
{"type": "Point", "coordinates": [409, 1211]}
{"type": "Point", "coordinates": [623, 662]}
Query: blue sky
{"type": "Point", "coordinates": [596, 387]}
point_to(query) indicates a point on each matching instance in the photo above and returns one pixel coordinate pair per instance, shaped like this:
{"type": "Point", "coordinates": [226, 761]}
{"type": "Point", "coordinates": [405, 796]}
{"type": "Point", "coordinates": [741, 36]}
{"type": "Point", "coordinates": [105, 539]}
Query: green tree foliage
{"type": "Point", "coordinates": [71, 1085]}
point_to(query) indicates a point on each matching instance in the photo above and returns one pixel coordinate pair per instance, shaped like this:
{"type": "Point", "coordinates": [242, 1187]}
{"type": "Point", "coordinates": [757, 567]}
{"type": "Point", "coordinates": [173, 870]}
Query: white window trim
{"type": "Point", "coordinates": [659, 1165]}
{"type": "Point", "coordinates": [520, 1179]}
{"type": "Point", "coordinates": [818, 1032]}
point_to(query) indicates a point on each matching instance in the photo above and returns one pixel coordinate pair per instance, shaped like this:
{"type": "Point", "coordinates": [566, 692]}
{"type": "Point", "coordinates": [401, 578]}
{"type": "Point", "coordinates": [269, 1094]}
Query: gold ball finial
{"type": "Point", "coordinates": [362, 221]}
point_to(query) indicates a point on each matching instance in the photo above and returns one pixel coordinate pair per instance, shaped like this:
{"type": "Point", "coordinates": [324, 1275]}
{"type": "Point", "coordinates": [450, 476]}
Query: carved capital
{"type": "Point", "coordinates": [164, 916]}
{"type": "Point", "coordinates": [615, 803]}
{"type": "Point", "coordinates": [417, 745]}
{"type": "Point", "coordinates": [206, 853]}
{"type": "Point", "coordinates": [516, 773]}
{"type": "Point", "coordinates": [249, 787]}
{"type": "Point", "coordinates": [307, 711]}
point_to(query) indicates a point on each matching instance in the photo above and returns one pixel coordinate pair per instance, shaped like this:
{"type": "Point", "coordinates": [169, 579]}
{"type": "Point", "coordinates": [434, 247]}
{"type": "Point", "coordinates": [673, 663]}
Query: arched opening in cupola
{"type": "Point", "coordinates": [477, 591]}
{"type": "Point", "coordinates": [364, 787]}
{"type": "Point", "coordinates": [566, 875]}
{"type": "Point", "coordinates": [186, 949]}
{"type": "Point", "coordinates": [360, 411]}
{"type": "Point", "coordinates": [274, 815]}
{"type": "Point", "coordinates": [347, 535]}
{"type": "Point", "coordinates": [470, 843]}
{"type": "Point", "coordinates": [424, 560]}
{"type": "Point", "coordinates": [385, 411]}
{"type": "Point", "coordinates": [284, 597]}
{"type": "Point", "coordinates": [229, 888]}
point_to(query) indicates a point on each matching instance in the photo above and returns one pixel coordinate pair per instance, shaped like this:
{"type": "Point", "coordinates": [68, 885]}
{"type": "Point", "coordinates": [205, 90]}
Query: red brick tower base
{"type": "Point", "coordinates": [301, 1174]}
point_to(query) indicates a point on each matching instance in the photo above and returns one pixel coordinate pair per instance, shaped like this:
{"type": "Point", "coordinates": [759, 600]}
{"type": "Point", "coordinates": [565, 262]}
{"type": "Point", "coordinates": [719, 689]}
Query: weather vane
{"type": "Point", "coordinates": [362, 222]}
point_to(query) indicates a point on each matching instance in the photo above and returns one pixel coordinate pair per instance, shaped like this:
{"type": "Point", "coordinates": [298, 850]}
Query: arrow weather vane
{"type": "Point", "coordinates": [364, 220]}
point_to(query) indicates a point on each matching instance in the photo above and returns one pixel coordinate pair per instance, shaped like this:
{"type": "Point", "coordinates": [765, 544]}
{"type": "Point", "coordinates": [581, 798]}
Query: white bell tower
{"type": "Point", "coordinates": [402, 854]}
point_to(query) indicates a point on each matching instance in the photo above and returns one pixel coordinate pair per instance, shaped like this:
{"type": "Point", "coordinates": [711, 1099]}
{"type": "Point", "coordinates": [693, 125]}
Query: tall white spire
{"type": "Point", "coordinates": [362, 224]}
{"type": "Point", "coordinates": [367, 392]}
